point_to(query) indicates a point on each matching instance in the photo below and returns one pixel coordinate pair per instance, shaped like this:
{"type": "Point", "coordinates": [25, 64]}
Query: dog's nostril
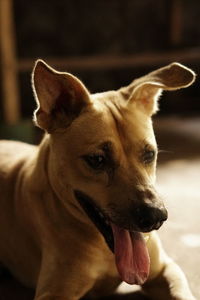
{"type": "Point", "coordinates": [145, 223]}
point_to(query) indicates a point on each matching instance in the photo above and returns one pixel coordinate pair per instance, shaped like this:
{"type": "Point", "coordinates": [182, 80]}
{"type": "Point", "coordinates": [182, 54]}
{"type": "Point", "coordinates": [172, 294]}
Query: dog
{"type": "Point", "coordinates": [79, 212]}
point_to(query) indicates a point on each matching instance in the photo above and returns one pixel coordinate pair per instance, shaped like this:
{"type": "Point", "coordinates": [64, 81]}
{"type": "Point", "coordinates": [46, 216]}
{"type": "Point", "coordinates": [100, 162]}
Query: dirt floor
{"type": "Point", "coordinates": [178, 181]}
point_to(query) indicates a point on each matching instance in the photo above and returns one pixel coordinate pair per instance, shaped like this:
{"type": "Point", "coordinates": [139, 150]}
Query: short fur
{"type": "Point", "coordinates": [47, 240]}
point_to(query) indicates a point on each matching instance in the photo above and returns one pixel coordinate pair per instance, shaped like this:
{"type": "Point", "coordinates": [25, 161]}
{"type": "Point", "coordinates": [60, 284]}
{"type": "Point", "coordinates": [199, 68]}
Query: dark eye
{"type": "Point", "coordinates": [149, 156]}
{"type": "Point", "coordinates": [95, 161]}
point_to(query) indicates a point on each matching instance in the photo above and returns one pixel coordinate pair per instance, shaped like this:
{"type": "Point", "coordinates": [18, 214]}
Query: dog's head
{"type": "Point", "coordinates": [102, 146]}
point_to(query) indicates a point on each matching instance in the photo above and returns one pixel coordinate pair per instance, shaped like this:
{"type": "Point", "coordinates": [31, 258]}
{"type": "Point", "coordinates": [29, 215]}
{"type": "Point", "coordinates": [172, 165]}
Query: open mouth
{"type": "Point", "coordinates": [131, 254]}
{"type": "Point", "coordinates": [97, 217]}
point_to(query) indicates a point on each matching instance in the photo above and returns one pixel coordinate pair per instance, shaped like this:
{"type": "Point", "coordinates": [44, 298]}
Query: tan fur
{"type": "Point", "coordinates": [47, 240]}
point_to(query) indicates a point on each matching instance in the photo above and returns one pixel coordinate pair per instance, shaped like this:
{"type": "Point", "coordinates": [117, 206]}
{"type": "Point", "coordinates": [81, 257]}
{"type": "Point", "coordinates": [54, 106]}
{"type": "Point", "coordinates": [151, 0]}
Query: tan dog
{"type": "Point", "coordinates": [78, 212]}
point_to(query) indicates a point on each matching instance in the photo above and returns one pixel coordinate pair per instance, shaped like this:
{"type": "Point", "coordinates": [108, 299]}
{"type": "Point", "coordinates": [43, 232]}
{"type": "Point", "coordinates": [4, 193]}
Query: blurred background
{"type": "Point", "coordinates": [107, 44]}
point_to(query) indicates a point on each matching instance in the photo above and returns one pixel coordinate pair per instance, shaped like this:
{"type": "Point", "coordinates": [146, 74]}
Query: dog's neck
{"type": "Point", "coordinates": [38, 166]}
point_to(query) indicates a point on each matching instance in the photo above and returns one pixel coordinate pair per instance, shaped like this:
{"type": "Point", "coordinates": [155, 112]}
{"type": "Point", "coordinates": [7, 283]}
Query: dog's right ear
{"type": "Point", "coordinates": [60, 97]}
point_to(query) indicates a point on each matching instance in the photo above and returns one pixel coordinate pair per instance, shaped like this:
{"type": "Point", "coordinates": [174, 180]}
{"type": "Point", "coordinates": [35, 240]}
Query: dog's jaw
{"type": "Point", "coordinates": [131, 254]}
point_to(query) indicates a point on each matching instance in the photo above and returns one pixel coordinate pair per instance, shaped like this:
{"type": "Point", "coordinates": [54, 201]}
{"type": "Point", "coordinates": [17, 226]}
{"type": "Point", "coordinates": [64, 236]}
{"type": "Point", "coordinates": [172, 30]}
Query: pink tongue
{"type": "Point", "coordinates": [131, 255]}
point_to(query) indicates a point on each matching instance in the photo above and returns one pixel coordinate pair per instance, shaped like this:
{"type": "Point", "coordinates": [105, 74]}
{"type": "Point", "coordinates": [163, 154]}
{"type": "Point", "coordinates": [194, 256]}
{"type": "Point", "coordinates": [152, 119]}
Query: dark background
{"type": "Point", "coordinates": [148, 33]}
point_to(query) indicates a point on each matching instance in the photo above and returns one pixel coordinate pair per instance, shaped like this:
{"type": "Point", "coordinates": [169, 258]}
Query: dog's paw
{"type": "Point", "coordinates": [182, 297]}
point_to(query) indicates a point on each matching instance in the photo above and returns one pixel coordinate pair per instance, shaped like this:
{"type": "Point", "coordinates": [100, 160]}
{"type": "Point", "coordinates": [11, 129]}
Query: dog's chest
{"type": "Point", "coordinates": [106, 275]}
{"type": "Point", "coordinates": [107, 280]}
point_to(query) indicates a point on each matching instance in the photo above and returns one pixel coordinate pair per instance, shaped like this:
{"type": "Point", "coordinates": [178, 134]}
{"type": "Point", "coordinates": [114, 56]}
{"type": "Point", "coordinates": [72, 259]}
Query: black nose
{"type": "Point", "coordinates": [149, 217]}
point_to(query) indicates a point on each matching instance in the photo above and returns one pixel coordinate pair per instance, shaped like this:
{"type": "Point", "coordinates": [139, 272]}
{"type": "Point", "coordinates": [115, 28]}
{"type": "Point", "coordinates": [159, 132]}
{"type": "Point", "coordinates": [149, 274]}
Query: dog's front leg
{"type": "Point", "coordinates": [59, 288]}
{"type": "Point", "coordinates": [63, 282]}
{"type": "Point", "coordinates": [167, 281]}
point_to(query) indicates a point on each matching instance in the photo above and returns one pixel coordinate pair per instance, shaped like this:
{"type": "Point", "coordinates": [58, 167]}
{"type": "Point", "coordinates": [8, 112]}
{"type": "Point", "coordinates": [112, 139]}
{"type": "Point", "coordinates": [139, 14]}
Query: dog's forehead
{"type": "Point", "coordinates": [131, 125]}
{"type": "Point", "coordinates": [109, 121]}
{"type": "Point", "coordinates": [125, 116]}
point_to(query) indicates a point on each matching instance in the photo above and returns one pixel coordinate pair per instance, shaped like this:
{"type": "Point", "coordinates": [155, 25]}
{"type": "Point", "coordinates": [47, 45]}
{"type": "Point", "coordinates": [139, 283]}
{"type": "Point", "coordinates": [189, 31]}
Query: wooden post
{"type": "Point", "coordinates": [176, 19]}
{"type": "Point", "coordinates": [10, 89]}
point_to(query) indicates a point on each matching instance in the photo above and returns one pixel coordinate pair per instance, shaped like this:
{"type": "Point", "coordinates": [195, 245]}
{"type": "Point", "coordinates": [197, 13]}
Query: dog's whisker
{"type": "Point", "coordinates": [165, 151]}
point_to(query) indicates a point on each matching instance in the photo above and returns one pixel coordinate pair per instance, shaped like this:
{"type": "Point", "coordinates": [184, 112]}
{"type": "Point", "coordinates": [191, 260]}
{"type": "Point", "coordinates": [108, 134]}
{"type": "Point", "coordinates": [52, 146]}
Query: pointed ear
{"type": "Point", "coordinates": [146, 90]}
{"type": "Point", "coordinates": [60, 97]}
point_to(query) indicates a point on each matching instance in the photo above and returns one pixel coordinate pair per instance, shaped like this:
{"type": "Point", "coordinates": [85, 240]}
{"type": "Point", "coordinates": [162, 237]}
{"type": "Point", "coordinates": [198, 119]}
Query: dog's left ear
{"type": "Point", "coordinates": [146, 90]}
{"type": "Point", "coordinates": [60, 97]}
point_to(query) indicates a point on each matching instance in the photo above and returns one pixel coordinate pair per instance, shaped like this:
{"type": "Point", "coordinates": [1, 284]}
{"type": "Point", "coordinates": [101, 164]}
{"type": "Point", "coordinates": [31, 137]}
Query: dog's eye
{"type": "Point", "coordinates": [149, 156]}
{"type": "Point", "coordinates": [95, 161]}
